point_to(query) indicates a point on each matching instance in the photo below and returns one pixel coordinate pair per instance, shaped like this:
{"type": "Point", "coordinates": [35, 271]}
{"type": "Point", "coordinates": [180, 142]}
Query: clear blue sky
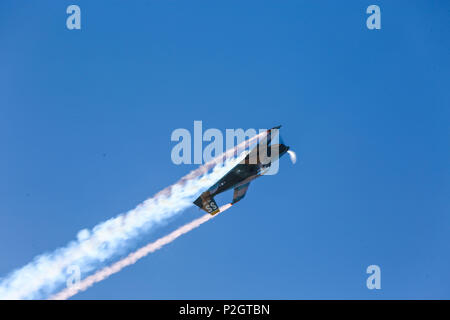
{"type": "Point", "coordinates": [86, 118]}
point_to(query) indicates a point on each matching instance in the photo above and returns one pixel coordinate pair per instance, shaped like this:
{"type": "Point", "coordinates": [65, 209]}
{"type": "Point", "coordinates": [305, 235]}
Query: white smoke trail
{"type": "Point", "coordinates": [132, 258]}
{"type": "Point", "coordinates": [93, 247]}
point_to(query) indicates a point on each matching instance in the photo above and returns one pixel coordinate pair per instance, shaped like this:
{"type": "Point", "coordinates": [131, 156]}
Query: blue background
{"type": "Point", "coordinates": [86, 118]}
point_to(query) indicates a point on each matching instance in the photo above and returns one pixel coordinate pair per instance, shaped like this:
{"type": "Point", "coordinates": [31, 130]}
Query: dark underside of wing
{"type": "Point", "coordinates": [239, 192]}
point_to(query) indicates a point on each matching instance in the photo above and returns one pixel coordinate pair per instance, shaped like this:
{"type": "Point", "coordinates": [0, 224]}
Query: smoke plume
{"type": "Point", "coordinates": [94, 247]}
{"type": "Point", "coordinates": [132, 258]}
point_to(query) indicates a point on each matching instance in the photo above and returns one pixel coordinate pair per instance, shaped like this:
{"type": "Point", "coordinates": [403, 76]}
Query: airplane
{"type": "Point", "coordinates": [254, 165]}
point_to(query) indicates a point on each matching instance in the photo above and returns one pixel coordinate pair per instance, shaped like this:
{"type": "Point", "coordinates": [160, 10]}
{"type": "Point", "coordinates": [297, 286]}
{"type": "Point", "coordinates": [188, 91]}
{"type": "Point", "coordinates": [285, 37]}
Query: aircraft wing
{"type": "Point", "coordinates": [239, 192]}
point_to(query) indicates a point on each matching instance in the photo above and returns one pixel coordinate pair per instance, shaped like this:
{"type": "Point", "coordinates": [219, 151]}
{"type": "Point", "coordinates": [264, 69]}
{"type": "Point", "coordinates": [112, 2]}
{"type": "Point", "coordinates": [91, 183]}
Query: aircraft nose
{"type": "Point", "coordinates": [283, 149]}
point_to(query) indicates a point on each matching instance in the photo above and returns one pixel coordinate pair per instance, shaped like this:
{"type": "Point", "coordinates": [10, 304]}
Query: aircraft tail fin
{"type": "Point", "coordinates": [207, 203]}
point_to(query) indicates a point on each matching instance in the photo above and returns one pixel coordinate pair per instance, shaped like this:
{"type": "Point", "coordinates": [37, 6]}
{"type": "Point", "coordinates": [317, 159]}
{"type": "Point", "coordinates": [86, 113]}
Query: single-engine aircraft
{"type": "Point", "coordinates": [254, 165]}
